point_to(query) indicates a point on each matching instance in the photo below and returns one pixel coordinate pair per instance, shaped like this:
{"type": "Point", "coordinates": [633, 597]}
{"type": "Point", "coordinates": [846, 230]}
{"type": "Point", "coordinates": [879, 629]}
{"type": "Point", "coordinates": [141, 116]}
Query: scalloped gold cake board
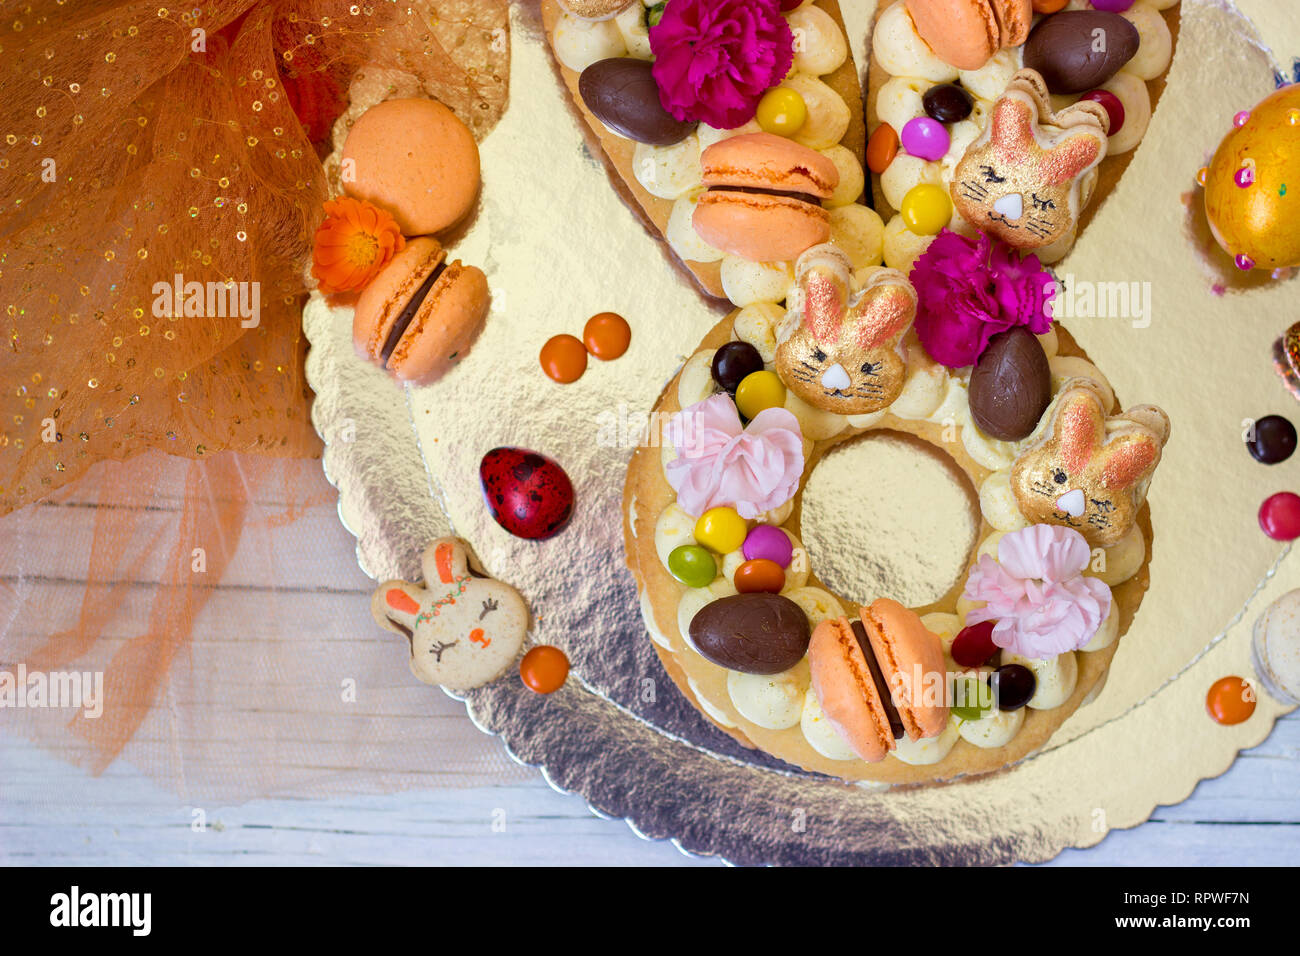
{"type": "Point", "coordinates": [558, 245]}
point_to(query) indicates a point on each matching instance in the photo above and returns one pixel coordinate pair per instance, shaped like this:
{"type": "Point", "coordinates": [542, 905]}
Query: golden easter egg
{"type": "Point", "coordinates": [1252, 186]}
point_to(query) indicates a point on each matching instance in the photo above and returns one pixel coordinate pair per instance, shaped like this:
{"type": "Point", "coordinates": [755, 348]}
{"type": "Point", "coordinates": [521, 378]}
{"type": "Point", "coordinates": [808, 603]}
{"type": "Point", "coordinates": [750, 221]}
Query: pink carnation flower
{"type": "Point", "coordinates": [970, 290]}
{"type": "Point", "coordinates": [719, 463]}
{"type": "Point", "coordinates": [1037, 593]}
{"type": "Point", "coordinates": [714, 59]}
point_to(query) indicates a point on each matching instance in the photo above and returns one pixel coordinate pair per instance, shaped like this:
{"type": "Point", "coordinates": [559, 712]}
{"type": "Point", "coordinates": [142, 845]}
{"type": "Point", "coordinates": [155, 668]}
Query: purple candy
{"type": "Point", "coordinates": [768, 542]}
{"type": "Point", "coordinates": [926, 138]}
{"type": "Point", "coordinates": [1112, 6]}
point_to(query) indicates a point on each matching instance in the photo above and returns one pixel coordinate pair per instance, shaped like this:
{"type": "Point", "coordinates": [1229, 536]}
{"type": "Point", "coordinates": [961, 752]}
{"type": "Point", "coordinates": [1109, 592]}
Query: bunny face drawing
{"type": "Point", "coordinates": [837, 350]}
{"type": "Point", "coordinates": [464, 629]}
{"type": "Point", "coordinates": [1086, 471]}
{"type": "Point", "coordinates": [1029, 175]}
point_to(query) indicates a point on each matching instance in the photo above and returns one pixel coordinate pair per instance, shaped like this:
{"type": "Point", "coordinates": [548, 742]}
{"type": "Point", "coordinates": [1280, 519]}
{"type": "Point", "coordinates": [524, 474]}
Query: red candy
{"type": "Point", "coordinates": [527, 494]}
{"type": "Point", "coordinates": [974, 646]}
{"type": "Point", "coordinates": [1279, 516]}
{"type": "Point", "coordinates": [1113, 106]}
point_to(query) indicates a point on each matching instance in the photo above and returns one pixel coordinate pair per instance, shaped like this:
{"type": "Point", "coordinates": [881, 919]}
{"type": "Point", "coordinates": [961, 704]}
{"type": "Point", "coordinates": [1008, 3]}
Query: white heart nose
{"type": "Point", "coordinates": [1011, 205]}
{"type": "Point", "coordinates": [836, 377]}
{"type": "Point", "coordinates": [1072, 503]}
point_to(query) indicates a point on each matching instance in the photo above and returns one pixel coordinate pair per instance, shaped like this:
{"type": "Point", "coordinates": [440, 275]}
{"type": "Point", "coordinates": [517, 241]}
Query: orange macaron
{"type": "Point", "coordinates": [966, 33]}
{"type": "Point", "coordinates": [866, 676]}
{"type": "Point", "coordinates": [421, 314]}
{"type": "Point", "coordinates": [764, 197]}
{"type": "Point", "coordinates": [414, 159]}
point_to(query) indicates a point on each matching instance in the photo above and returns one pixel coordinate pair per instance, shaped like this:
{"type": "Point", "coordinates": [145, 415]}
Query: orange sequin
{"type": "Point", "coordinates": [355, 241]}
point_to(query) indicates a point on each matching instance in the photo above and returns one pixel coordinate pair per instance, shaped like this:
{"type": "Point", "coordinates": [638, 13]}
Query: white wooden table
{"type": "Point", "coordinates": [1249, 816]}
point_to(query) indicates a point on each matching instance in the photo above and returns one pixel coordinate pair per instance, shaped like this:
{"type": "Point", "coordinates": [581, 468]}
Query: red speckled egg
{"type": "Point", "coordinates": [527, 493]}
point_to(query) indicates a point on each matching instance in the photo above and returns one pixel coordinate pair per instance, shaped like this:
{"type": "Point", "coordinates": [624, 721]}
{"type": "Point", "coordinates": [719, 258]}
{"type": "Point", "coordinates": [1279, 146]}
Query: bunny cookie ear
{"type": "Point", "coordinates": [884, 310]}
{"type": "Point", "coordinates": [1080, 424]}
{"type": "Point", "coordinates": [445, 561]}
{"type": "Point", "coordinates": [1079, 151]}
{"type": "Point", "coordinates": [1012, 127]}
{"type": "Point", "coordinates": [824, 278]}
{"type": "Point", "coordinates": [395, 605]}
{"type": "Point", "coordinates": [1128, 458]}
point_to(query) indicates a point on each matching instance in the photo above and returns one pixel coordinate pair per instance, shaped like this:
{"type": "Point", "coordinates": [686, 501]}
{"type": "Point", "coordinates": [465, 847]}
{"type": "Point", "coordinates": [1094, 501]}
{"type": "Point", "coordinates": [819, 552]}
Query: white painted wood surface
{"type": "Point", "coordinates": [52, 813]}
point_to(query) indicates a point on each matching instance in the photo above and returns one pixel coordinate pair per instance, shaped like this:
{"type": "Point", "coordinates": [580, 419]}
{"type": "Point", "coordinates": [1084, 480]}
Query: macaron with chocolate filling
{"type": "Point", "coordinates": [865, 674]}
{"type": "Point", "coordinates": [764, 197]}
{"type": "Point", "coordinates": [421, 313]}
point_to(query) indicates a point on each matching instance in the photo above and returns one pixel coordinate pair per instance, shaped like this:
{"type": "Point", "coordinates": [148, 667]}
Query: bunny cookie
{"type": "Point", "coordinates": [1029, 175]}
{"type": "Point", "coordinates": [839, 351]}
{"type": "Point", "coordinates": [1086, 471]}
{"type": "Point", "coordinates": [464, 629]}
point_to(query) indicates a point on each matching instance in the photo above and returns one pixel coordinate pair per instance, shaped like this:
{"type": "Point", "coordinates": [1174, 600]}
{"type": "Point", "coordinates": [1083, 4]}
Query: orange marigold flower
{"type": "Point", "coordinates": [354, 242]}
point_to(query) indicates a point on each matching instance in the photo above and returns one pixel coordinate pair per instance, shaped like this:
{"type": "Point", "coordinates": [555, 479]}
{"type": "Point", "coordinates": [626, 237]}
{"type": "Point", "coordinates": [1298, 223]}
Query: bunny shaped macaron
{"type": "Point", "coordinates": [837, 350]}
{"type": "Point", "coordinates": [1029, 175]}
{"type": "Point", "coordinates": [464, 629]}
{"type": "Point", "coordinates": [1086, 471]}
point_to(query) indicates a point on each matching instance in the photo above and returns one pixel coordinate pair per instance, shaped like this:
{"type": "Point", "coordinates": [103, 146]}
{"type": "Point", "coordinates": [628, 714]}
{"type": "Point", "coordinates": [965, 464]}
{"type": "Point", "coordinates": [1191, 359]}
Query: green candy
{"type": "Point", "coordinates": [656, 14]}
{"type": "Point", "coordinates": [972, 698]}
{"type": "Point", "coordinates": [692, 565]}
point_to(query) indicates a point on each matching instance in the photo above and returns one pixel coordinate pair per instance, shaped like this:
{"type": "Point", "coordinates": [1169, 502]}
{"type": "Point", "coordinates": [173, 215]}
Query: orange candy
{"type": "Point", "coordinates": [759, 575]}
{"type": "Point", "coordinates": [544, 669]}
{"type": "Point", "coordinates": [1049, 6]}
{"type": "Point", "coordinates": [564, 358]}
{"type": "Point", "coordinates": [1231, 700]}
{"type": "Point", "coordinates": [882, 148]}
{"type": "Point", "coordinates": [607, 335]}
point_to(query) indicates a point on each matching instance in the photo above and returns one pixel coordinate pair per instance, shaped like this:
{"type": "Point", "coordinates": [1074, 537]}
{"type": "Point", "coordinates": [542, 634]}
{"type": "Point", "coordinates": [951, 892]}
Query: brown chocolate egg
{"type": "Point", "coordinates": [1079, 50]}
{"type": "Point", "coordinates": [755, 633]}
{"type": "Point", "coordinates": [622, 93]}
{"type": "Point", "coordinates": [1010, 386]}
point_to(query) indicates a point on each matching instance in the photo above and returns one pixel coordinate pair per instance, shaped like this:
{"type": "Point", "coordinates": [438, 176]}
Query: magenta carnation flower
{"type": "Point", "coordinates": [714, 59]}
{"type": "Point", "coordinates": [970, 290]}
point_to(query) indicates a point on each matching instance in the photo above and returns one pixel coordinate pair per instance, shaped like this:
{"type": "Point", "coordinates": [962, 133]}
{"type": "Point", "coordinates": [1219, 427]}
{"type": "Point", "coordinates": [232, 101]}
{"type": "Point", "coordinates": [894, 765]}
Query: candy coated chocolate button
{"type": "Point", "coordinates": [972, 698]}
{"type": "Point", "coordinates": [759, 391]}
{"type": "Point", "coordinates": [926, 138]}
{"type": "Point", "coordinates": [926, 209]}
{"type": "Point", "coordinates": [1230, 700]}
{"type": "Point", "coordinates": [769, 543]}
{"type": "Point", "coordinates": [947, 103]}
{"type": "Point", "coordinates": [1049, 6]}
{"type": "Point", "coordinates": [564, 358]}
{"type": "Point", "coordinates": [1279, 516]}
{"type": "Point", "coordinates": [1012, 685]}
{"type": "Point", "coordinates": [1112, 6]}
{"type": "Point", "coordinates": [526, 493]}
{"type": "Point", "coordinates": [1272, 440]}
{"type": "Point", "coordinates": [1079, 50]}
{"type": "Point", "coordinates": [733, 362]}
{"type": "Point", "coordinates": [973, 646]}
{"type": "Point", "coordinates": [621, 92]}
{"type": "Point", "coordinates": [692, 565]}
{"type": "Point", "coordinates": [882, 148]}
{"type": "Point", "coordinates": [782, 111]}
{"type": "Point", "coordinates": [759, 575]}
{"type": "Point", "coordinates": [721, 530]}
{"type": "Point", "coordinates": [751, 633]}
{"type": "Point", "coordinates": [606, 335]}
{"type": "Point", "coordinates": [1113, 106]}
{"type": "Point", "coordinates": [544, 669]}
{"type": "Point", "coordinates": [1011, 385]}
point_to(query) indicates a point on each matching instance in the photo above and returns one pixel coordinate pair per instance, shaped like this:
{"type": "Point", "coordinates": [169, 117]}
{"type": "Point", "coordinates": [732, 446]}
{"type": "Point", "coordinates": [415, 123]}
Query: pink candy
{"type": "Point", "coordinates": [1112, 6]}
{"type": "Point", "coordinates": [770, 543]}
{"type": "Point", "coordinates": [926, 138]}
{"type": "Point", "coordinates": [1279, 516]}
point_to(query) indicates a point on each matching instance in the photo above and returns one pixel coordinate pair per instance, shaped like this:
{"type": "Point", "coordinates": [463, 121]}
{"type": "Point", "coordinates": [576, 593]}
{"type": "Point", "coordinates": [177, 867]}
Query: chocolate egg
{"type": "Point", "coordinates": [755, 633]}
{"type": "Point", "coordinates": [622, 93]}
{"type": "Point", "coordinates": [1252, 187]}
{"type": "Point", "coordinates": [1079, 50]}
{"type": "Point", "coordinates": [1010, 386]}
{"type": "Point", "coordinates": [527, 494]}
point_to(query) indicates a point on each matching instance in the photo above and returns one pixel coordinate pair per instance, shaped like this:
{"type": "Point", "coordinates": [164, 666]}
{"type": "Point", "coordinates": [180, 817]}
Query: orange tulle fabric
{"type": "Point", "coordinates": [161, 181]}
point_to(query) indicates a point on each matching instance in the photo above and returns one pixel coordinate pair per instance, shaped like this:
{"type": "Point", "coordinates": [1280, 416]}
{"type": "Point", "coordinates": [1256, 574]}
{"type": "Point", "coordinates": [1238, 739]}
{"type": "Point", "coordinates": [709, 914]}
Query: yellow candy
{"type": "Point", "coordinates": [759, 390]}
{"type": "Point", "coordinates": [926, 209]}
{"type": "Point", "coordinates": [782, 111]}
{"type": "Point", "coordinates": [721, 530]}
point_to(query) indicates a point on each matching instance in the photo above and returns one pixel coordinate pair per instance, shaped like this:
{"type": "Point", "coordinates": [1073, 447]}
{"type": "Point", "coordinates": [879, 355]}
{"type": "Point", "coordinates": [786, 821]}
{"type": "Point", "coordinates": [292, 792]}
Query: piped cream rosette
{"type": "Point", "coordinates": [780, 713]}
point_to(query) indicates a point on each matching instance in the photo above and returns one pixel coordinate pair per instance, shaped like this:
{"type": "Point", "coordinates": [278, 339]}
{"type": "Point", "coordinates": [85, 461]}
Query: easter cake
{"type": "Point", "coordinates": [781, 83]}
{"type": "Point", "coordinates": [974, 101]}
{"type": "Point", "coordinates": [965, 684]}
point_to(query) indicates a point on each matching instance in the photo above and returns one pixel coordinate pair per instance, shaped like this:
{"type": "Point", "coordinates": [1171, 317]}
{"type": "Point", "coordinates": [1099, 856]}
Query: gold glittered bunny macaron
{"type": "Point", "coordinates": [839, 350]}
{"type": "Point", "coordinates": [464, 629]}
{"type": "Point", "coordinates": [1086, 471]}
